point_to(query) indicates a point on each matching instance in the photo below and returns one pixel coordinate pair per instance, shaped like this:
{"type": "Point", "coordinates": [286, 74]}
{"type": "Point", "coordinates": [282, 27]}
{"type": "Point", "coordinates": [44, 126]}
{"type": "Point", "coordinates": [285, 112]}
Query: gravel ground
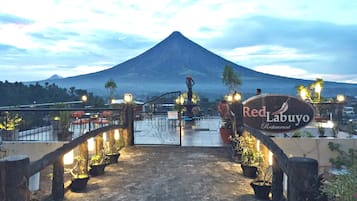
{"type": "Point", "coordinates": [167, 173]}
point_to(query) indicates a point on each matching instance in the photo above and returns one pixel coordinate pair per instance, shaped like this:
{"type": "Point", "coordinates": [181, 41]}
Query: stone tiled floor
{"type": "Point", "coordinates": [166, 173]}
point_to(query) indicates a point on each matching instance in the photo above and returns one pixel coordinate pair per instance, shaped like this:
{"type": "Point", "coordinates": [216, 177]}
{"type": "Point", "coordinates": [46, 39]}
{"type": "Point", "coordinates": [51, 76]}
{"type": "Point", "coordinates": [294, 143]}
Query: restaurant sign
{"type": "Point", "coordinates": [277, 113]}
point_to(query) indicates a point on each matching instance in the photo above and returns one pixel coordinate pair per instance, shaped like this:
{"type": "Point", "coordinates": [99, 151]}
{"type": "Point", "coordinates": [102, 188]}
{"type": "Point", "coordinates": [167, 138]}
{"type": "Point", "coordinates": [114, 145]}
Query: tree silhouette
{"type": "Point", "coordinates": [110, 85]}
{"type": "Point", "coordinates": [230, 78]}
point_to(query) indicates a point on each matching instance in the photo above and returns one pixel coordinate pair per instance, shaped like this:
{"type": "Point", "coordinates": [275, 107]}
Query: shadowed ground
{"type": "Point", "coordinates": [165, 173]}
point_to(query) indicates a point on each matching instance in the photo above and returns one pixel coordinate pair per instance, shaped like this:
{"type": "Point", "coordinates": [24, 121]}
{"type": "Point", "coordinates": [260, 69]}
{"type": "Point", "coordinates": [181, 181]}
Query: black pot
{"type": "Point", "coordinates": [261, 189]}
{"type": "Point", "coordinates": [249, 171]}
{"type": "Point", "coordinates": [112, 158]}
{"type": "Point", "coordinates": [97, 169]}
{"type": "Point", "coordinates": [79, 184]}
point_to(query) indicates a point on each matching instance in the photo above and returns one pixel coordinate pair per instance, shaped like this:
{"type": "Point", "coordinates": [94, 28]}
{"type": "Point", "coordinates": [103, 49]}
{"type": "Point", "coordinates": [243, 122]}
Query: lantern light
{"type": "Point", "coordinates": [68, 158]}
{"type": "Point", "coordinates": [91, 144]}
{"type": "Point", "coordinates": [270, 158]}
{"type": "Point", "coordinates": [128, 98]}
{"type": "Point", "coordinates": [116, 134]}
{"type": "Point", "coordinates": [104, 137]}
{"type": "Point", "coordinates": [340, 98]}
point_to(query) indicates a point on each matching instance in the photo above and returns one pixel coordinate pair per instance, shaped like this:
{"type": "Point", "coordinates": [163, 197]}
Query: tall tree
{"type": "Point", "coordinates": [230, 78]}
{"type": "Point", "coordinates": [110, 85]}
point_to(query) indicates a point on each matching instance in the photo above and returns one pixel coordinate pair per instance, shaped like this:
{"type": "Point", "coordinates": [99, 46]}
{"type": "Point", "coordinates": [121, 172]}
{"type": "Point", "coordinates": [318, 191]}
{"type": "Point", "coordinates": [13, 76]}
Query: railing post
{"type": "Point", "coordinates": [99, 144]}
{"type": "Point", "coordinates": [58, 179]}
{"type": "Point", "coordinates": [14, 179]}
{"type": "Point", "coordinates": [302, 178]}
{"type": "Point", "coordinates": [129, 124]}
{"type": "Point", "coordinates": [277, 181]}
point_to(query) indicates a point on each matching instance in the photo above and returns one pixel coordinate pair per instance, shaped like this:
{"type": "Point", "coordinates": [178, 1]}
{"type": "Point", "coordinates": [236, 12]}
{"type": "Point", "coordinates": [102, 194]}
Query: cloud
{"type": "Point", "coordinates": [316, 36]}
{"type": "Point", "coordinates": [314, 46]}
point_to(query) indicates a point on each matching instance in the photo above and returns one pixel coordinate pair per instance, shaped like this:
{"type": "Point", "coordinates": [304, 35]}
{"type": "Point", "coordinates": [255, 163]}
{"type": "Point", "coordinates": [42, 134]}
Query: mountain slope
{"type": "Point", "coordinates": [164, 67]}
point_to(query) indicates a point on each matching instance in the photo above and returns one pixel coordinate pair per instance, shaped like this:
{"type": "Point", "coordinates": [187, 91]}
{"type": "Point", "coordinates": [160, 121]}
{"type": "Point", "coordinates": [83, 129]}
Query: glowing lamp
{"type": "Point", "coordinates": [270, 160]}
{"type": "Point", "coordinates": [68, 158]}
{"type": "Point", "coordinates": [128, 98]}
{"type": "Point", "coordinates": [116, 134]}
{"type": "Point", "coordinates": [91, 144]}
{"type": "Point", "coordinates": [104, 137]}
{"type": "Point", "coordinates": [84, 98]}
{"type": "Point", "coordinates": [237, 97]}
{"type": "Point", "coordinates": [340, 98]}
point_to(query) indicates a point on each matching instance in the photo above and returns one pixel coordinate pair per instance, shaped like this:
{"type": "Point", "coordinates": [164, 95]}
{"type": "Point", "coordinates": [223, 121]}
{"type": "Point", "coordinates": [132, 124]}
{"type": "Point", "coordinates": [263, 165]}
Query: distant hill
{"type": "Point", "coordinates": [54, 77]}
{"type": "Point", "coordinates": [164, 67]}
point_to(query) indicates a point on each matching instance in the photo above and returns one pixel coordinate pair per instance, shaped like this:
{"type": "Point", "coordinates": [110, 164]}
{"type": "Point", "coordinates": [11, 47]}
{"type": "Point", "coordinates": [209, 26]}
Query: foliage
{"type": "Point", "coordinates": [342, 187]}
{"type": "Point", "coordinates": [98, 158]}
{"type": "Point", "coordinates": [17, 93]}
{"type": "Point", "coordinates": [110, 85]}
{"type": "Point", "coordinates": [80, 168]}
{"type": "Point", "coordinates": [344, 159]}
{"type": "Point", "coordinates": [230, 78]}
{"type": "Point", "coordinates": [265, 173]}
{"type": "Point", "coordinates": [236, 143]}
{"type": "Point", "coordinates": [9, 121]}
{"type": "Point", "coordinates": [318, 83]}
{"type": "Point", "coordinates": [250, 155]}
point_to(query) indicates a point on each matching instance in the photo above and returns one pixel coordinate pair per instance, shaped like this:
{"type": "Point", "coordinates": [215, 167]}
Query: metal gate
{"type": "Point", "coordinates": [161, 124]}
{"type": "Point", "coordinates": [157, 129]}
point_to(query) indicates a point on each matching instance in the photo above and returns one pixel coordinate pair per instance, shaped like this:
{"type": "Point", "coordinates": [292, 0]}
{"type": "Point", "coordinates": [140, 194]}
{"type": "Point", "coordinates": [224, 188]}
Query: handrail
{"type": "Point", "coordinates": [281, 157]}
{"type": "Point", "coordinates": [50, 158]}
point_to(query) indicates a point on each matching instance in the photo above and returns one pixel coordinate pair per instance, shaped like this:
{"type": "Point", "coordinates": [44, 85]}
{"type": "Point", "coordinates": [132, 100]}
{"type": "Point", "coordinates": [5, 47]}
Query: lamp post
{"type": "Point", "coordinates": [340, 101]}
{"type": "Point", "coordinates": [180, 100]}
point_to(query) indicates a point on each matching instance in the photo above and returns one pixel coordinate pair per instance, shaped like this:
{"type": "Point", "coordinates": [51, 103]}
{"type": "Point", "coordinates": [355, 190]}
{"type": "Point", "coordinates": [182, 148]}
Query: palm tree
{"type": "Point", "coordinates": [230, 78]}
{"type": "Point", "coordinates": [110, 85]}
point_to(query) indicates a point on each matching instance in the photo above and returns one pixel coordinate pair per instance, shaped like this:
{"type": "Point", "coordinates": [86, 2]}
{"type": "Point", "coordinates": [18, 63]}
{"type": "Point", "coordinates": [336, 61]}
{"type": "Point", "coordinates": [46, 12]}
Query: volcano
{"type": "Point", "coordinates": [164, 67]}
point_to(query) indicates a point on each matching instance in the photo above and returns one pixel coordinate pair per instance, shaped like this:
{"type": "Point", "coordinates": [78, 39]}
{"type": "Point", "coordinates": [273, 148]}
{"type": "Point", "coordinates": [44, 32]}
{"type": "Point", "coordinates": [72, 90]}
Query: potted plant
{"type": "Point", "coordinates": [236, 149]}
{"type": "Point", "coordinates": [262, 185]}
{"type": "Point", "coordinates": [112, 151]}
{"type": "Point", "coordinates": [8, 126]}
{"type": "Point", "coordinates": [79, 174]}
{"type": "Point", "coordinates": [97, 164]}
{"type": "Point", "coordinates": [226, 129]}
{"type": "Point", "coordinates": [251, 157]}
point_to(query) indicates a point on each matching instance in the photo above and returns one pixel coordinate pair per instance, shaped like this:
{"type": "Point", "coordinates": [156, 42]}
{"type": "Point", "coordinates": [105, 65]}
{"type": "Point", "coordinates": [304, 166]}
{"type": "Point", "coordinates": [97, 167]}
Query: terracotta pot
{"type": "Point", "coordinates": [225, 134]}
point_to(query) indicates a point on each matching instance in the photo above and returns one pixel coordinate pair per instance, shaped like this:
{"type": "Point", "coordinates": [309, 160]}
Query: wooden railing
{"type": "Point", "coordinates": [302, 173]}
{"type": "Point", "coordinates": [16, 170]}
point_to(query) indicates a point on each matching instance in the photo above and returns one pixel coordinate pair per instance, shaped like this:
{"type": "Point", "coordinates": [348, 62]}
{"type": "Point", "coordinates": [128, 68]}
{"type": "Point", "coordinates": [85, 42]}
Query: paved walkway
{"type": "Point", "coordinates": [169, 173]}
